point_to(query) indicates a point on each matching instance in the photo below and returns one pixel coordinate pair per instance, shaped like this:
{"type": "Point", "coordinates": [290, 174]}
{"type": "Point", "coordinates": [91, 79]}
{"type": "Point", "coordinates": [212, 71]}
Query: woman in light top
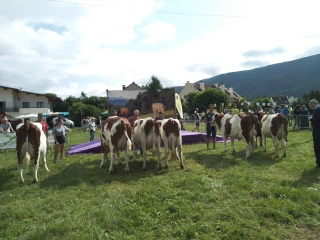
{"type": "Point", "coordinates": [59, 133]}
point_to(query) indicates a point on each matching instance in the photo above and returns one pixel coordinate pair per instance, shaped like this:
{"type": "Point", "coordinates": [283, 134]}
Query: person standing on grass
{"type": "Point", "coordinates": [59, 133]}
{"type": "Point", "coordinates": [44, 125]}
{"type": "Point", "coordinates": [92, 128]}
{"type": "Point", "coordinates": [315, 123]}
{"type": "Point", "coordinates": [211, 129]}
{"type": "Point", "coordinates": [197, 120]}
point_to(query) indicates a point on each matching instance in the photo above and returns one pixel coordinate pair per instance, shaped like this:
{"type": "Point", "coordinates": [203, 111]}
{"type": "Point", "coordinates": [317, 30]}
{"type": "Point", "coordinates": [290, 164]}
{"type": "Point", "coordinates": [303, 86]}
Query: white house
{"type": "Point", "coordinates": [16, 102]}
{"type": "Point", "coordinates": [132, 87]}
{"type": "Point", "coordinates": [193, 87]}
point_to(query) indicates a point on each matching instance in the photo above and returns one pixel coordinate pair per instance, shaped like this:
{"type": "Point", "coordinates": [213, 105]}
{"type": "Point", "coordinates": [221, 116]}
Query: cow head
{"type": "Point", "coordinates": [216, 120]}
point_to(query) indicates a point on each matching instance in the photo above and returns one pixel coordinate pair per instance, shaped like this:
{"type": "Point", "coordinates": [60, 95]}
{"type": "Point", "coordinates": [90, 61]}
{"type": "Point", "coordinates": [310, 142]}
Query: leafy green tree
{"type": "Point", "coordinates": [79, 110]}
{"type": "Point", "coordinates": [153, 84]}
{"type": "Point", "coordinates": [261, 100]}
{"type": "Point", "coordinates": [202, 100]}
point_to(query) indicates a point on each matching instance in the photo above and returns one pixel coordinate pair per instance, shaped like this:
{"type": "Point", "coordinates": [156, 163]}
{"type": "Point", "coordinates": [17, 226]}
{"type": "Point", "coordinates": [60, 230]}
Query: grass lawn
{"type": "Point", "coordinates": [216, 196]}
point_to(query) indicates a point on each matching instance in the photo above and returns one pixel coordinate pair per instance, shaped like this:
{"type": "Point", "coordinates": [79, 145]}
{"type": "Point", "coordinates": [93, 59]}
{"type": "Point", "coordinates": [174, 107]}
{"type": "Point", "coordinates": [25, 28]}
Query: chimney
{"type": "Point", "coordinates": [202, 85]}
{"type": "Point", "coordinates": [231, 91]}
{"type": "Point", "coordinates": [222, 87]}
{"type": "Point", "coordinates": [123, 87]}
{"type": "Point", "coordinates": [216, 85]}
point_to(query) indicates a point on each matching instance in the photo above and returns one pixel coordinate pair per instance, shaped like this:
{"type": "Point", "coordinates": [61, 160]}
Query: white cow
{"type": "Point", "coordinates": [31, 141]}
{"type": "Point", "coordinates": [146, 135]}
{"type": "Point", "coordinates": [170, 131]}
{"type": "Point", "coordinates": [115, 137]}
{"type": "Point", "coordinates": [275, 126]}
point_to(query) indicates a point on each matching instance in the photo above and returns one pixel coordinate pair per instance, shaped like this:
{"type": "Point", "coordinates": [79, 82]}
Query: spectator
{"type": "Point", "coordinates": [160, 116]}
{"type": "Point", "coordinates": [296, 117]}
{"type": "Point", "coordinates": [285, 111]}
{"type": "Point", "coordinates": [259, 114]}
{"type": "Point", "coordinates": [114, 113]}
{"type": "Point", "coordinates": [134, 118]}
{"type": "Point", "coordinates": [44, 125]}
{"type": "Point", "coordinates": [59, 133]}
{"type": "Point", "coordinates": [211, 129]}
{"type": "Point", "coordinates": [197, 120]}
{"type": "Point", "coordinates": [271, 111]}
{"type": "Point", "coordinates": [315, 123]}
{"type": "Point", "coordinates": [234, 110]}
{"type": "Point", "coordinates": [84, 124]}
{"type": "Point", "coordinates": [6, 127]}
{"type": "Point", "coordinates": [92, 128]}
{"type": "Point", "coordinates": [304, 117]}
{"type": "Point", "coordinates": [181, 122]}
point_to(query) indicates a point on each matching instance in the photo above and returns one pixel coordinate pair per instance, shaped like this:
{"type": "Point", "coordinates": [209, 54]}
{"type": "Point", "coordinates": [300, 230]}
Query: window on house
{"type": "Point", "coordinates": [25, 104]}
{"type": "Point", "coordinates": [2, 105]}
{"type": "Point", "coordinates": [40, 104]}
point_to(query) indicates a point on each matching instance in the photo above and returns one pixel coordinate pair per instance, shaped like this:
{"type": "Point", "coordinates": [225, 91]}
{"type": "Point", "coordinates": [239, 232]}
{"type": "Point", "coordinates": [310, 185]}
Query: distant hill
{"type": "Point", "coordinates": [292, 78]}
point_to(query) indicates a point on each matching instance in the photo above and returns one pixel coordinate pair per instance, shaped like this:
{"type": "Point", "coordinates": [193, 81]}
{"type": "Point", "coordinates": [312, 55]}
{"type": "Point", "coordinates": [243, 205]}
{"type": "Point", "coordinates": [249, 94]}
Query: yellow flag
{"type": "Point", "coordinates": [179, 105]}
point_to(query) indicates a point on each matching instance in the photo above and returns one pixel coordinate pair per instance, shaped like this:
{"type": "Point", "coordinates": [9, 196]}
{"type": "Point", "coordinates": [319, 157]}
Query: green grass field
{"type": "Point", "coordinates": [216, 196]}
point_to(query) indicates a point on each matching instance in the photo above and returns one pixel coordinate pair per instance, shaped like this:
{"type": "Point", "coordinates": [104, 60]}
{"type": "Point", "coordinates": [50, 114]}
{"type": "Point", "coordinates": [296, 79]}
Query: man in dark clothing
{"type": "Point", "coordinates": [315, 123]}
{"type": "Point", "coordinates": [211, 130]}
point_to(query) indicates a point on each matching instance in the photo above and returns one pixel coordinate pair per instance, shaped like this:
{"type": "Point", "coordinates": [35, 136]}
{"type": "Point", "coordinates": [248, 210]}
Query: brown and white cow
{"type": "Point", "coordinates": [238, 126]}
{"type": "Point", "coordinates": [30, 142]}
{"type": "Point", "coordinates": [115, 137]}
{"type": "Point", "coordinates": [170, 131]}
{"type": "Point", "coordinates": [275, 126]}
{"type": "Point", "coordinates": [156, 108]}
{"type": "Point", "coordinates": [146, 135]}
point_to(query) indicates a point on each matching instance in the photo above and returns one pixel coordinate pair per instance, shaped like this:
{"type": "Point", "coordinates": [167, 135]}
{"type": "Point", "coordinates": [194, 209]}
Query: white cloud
{"type": "Point", "coordinates": [159, 32]}
{"type": "Point", "coordinates": [105, 47]}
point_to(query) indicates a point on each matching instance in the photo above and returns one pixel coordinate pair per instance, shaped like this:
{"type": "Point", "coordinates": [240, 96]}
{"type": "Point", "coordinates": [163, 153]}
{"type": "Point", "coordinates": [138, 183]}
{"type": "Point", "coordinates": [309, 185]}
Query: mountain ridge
{"type": "Point", "coordinates": [291, 78]}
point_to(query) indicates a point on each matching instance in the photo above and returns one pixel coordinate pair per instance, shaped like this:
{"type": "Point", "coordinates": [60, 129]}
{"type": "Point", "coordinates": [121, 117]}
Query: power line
{"type": "Point", "coordinates": [164, 12]}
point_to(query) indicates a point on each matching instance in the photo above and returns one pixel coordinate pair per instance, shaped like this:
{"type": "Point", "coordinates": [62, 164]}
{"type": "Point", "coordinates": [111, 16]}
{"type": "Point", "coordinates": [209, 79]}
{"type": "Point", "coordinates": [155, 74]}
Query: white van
{"type": "Point", "coordinates": [67, 122]}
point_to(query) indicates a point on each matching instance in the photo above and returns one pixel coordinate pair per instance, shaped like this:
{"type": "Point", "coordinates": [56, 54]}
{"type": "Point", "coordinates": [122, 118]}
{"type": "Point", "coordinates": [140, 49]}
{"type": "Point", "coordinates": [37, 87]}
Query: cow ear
{"type": "Point", "coordinates": [141, 121]}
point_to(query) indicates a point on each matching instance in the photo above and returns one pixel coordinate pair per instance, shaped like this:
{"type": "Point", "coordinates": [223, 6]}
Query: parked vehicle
{"type": "Point", "coordinates": [67, 122]}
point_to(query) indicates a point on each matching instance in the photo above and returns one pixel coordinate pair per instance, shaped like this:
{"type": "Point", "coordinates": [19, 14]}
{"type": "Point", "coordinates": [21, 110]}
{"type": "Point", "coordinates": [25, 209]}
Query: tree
{"type": "Point", "coordinates": [79, 110]}
{"type": "Point", "coordinates": [261, 100]}
{"type": "Point", "coordinates": [153, 84]}
{"type": "Point", "coordinates": [202, 100]}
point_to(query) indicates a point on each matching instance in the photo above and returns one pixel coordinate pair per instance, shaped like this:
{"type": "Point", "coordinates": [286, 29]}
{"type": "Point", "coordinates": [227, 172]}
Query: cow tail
{"type": "Point", "coordinates": [26, 158]}
{"type": "Point", "coordinates": [154, 149]}
{"type": "Point", "coordinates": [127, 137]}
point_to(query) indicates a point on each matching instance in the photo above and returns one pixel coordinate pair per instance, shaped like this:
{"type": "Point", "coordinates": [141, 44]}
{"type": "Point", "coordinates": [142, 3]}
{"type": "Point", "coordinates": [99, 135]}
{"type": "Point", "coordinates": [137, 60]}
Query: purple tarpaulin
{"type": "Point", "coordinates": [95, 146]}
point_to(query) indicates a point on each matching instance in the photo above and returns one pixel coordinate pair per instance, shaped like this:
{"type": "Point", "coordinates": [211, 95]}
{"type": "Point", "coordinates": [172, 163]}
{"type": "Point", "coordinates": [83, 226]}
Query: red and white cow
{"type": "Point", "coordinates": [275, 126]}
{"type": "Point", "coordinates": [170, 131]}
{"type": "Point", "coordinates": [115, 137]}
{"type": "Point", "coordinates": [239, 126]}
{"type": "Point", "coordinates": [30, 142]}
{"type": "Point", "coordinates": [146, 135]}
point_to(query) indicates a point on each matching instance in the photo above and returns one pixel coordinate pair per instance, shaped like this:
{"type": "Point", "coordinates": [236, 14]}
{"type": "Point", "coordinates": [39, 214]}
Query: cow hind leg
{"type": "Point", "coordinates": [264, 138]}
{"type": "Point", "coordinates": [104, 157]}
{"type": "Point", "coordinates": [179, 148]}
{"type": "Point", "coordinates": [36, 167]}
{"type": "Point", "coordinates": [111, 160]}
{"type": "Point", "coordinates": [118, 157]}
{"type": "Point", "coordinates": [284, 146]}
{"type": "Point", "coordinates": [20, 168]}
{"type": "Point", "coordinates": [45, 161]}
{"type": "Point", "coordinates": [276, 145]}
{"type": "Point", "coordinates": [232, 143]}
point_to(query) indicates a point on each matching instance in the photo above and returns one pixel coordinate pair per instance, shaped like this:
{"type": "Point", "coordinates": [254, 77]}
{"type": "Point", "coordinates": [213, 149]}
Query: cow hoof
{"type": "Point", "coordinates": [144, 169]}
{"type": "Point", "coordinates": [110, 172]}
{"type": "Point", "coordinates": [101, 166]}
{"type": "Point", "coordinates": [284, 155]}
{"type": "Point", "coordinates": [127, 169]}
{"type": "Point", "coordinates": [35, 181]}
{"type": "Point", "coordinates": [21, 181]}
{"type": "Point", "coordinates": [181, 166]}
{"type": "Point", "coordinates": [160, 168]}
{"type": "Point", "coordinates": [120, 163]}
{"type": "Point", "coordinates": [166, 167]}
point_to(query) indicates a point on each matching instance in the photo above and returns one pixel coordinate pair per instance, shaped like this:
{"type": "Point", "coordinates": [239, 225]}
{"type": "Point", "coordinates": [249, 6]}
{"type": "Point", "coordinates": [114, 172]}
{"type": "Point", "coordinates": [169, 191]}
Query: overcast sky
{"type": "Point", "coordinates": [66, 47]}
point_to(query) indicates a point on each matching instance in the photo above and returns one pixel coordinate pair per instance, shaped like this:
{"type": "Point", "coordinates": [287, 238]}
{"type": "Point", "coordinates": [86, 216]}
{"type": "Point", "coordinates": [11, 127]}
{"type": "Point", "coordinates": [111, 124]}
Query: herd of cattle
{"type": "Point", "coordinates": [146, 134]}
